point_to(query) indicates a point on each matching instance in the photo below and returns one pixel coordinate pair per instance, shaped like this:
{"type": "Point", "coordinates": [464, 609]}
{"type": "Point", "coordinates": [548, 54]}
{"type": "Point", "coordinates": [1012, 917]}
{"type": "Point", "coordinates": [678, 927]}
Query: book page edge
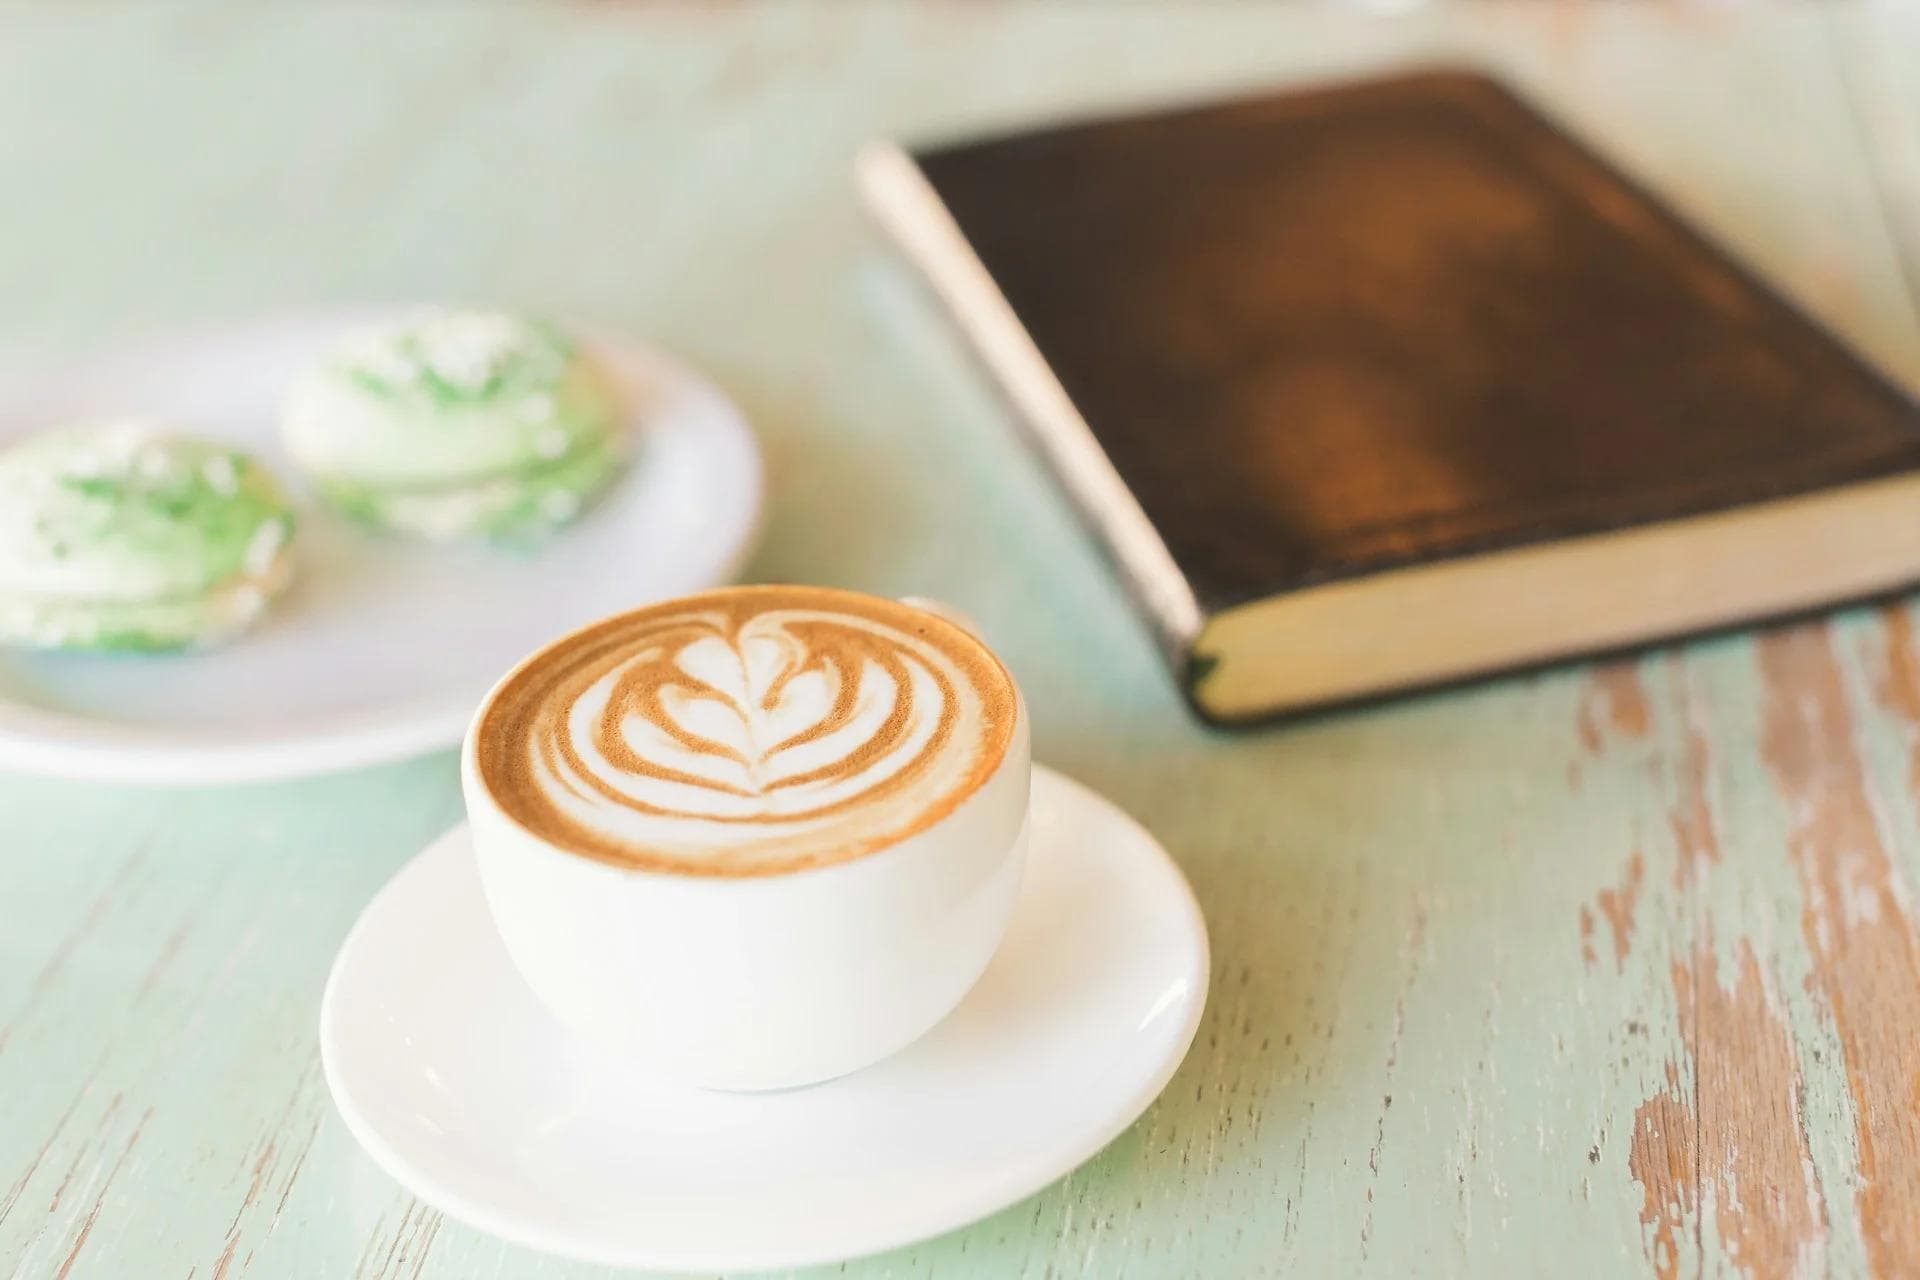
{"type": "Point", "coordinates": [1478, 615]}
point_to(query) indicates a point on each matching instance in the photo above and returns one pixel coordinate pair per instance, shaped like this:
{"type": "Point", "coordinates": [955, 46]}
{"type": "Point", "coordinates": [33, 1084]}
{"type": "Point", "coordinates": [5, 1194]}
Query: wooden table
{"type": "Point", "coordinates": [1608, 971]}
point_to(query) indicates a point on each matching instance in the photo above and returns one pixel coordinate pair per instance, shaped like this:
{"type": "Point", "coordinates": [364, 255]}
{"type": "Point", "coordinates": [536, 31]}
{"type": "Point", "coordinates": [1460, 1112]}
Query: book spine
{"type": "Point", "coordinates": [908, 209]}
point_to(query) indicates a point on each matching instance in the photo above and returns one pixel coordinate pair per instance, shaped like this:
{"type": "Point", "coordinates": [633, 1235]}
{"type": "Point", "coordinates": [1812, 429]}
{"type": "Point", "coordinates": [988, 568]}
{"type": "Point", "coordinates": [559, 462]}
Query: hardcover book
{"type": "Point", "coordinates": [1380, 385]}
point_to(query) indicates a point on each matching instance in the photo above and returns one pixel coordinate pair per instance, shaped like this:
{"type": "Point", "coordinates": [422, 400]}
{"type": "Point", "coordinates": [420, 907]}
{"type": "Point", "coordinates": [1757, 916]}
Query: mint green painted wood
{"type": "Point", "coordinates": [1610, 970]}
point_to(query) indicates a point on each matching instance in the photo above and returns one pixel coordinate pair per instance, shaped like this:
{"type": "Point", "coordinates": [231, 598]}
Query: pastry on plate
{"type": "Point", "coordinates": [125, 536]}
{"type": "Point", "coordinates": [454, 424]}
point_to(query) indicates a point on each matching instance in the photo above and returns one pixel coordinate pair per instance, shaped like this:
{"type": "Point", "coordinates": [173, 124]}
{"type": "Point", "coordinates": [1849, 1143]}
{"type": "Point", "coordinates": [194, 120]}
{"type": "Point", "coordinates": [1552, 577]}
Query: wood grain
{"type": "Point", "coordinates": [1859, 929]}
{"type": "Point", "coordinates": [1600, 971]}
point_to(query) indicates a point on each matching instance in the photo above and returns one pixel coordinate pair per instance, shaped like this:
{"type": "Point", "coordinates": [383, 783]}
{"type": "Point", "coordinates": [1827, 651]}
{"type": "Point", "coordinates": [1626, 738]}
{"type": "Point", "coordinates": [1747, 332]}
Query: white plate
{"type": "Point", "coordinates": [384, 646]}
{"type": "Point", "coordinates": [459, 1084]}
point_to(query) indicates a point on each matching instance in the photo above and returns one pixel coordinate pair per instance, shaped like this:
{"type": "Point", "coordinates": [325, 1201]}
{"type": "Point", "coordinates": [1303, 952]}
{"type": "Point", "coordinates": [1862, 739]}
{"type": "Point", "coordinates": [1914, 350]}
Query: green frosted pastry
{"type": "Point", "coordinates": [122, 536]}
{"type": "Point", "coordinates": [458, 423]}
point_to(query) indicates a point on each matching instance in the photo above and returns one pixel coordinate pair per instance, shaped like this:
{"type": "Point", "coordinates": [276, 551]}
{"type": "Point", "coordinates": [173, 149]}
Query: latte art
{"type": "Point", "coordinates": [747, 732]}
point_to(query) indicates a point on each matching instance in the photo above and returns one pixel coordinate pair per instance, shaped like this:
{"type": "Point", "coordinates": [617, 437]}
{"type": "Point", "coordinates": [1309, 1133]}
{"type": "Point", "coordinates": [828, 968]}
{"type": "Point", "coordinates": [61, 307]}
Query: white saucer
{"type": "Point", "coordinates": [461, 1087]}
{"type": "Point", "coordinates": [384, 646]}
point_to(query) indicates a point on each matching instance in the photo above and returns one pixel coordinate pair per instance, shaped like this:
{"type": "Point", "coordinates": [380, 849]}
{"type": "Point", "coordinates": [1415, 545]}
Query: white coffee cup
{"type": "Point", "coordinates": [760, 981]}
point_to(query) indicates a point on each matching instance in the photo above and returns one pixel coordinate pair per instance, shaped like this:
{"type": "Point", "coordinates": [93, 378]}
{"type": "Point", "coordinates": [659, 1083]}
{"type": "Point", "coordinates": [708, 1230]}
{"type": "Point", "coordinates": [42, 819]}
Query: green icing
{"type": "Point", "coordinates": [135, 642]}
{"type": "Point", "coordinates": [448, 399]}
{"type": "Point", "coordinates": [459, 359]}
{"type": "Point", "coordinates": [118, 537]}
{"type": "Point", "coordinates": [554, 496]}
{"type": "Point", "coordinates": [162, 501]}
{"type": "Point", "coordinates": [93, 626]}
{"type": "Point", "coordinates": [180, 507]}
{"type": "Point", "coordinates": [516, 509]}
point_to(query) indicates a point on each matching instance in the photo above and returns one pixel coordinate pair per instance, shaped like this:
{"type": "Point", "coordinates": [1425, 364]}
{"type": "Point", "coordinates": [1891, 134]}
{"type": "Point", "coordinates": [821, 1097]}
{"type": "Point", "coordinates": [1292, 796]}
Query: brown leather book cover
{"type": "Point", "coordinates": [1314, 344]}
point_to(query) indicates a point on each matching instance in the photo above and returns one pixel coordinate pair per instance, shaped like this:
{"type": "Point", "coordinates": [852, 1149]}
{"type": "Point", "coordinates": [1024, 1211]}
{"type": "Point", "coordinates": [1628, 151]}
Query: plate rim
{"type": "Point", "coordinates": [45, 743]}
{"type": "Point", "coordinates": [1005, 1189]}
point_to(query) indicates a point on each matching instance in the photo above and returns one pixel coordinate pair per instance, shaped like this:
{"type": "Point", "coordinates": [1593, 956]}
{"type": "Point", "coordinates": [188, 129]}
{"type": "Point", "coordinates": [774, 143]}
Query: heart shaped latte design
{"type": "Point", "coordinates": [753, 737]}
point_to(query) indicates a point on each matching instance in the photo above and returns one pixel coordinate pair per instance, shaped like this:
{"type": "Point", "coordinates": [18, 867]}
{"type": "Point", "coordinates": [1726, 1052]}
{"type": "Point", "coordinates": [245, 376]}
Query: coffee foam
{"type": "Point", "coordinates": [747, 731]}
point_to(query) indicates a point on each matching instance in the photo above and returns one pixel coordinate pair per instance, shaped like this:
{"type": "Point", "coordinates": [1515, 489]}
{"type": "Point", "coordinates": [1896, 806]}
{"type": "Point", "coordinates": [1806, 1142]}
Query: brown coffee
{"type": "Point", "coordinates": [747, 731]}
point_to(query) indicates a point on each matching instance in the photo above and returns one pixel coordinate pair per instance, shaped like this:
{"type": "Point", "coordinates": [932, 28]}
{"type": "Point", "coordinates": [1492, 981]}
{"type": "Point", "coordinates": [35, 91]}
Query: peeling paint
{"type": "Point", "coordinates": [1615, 704]}
{"type": "Point", "coordinates": [1691, 816]}
{"type": "Point", "coordinates": [1617, 907]}
{"type": "Point", "coordinates": [1735, 1140]}
{"type": "Point", "coordinates": [1866, 960]}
